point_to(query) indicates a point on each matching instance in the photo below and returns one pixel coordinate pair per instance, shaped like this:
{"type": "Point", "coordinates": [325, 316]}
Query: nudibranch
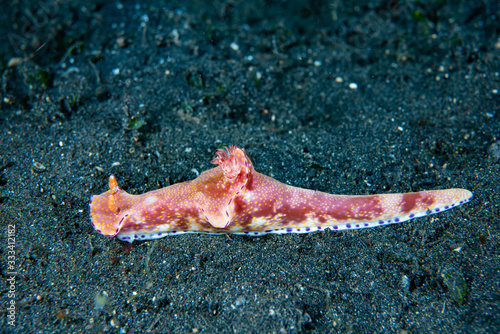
{"type": "Point", "coordinates": [234, 198]}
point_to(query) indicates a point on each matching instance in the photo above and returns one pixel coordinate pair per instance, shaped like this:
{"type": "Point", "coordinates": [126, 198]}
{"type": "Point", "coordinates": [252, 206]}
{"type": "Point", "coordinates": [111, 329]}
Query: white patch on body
{"type": "Point", "coordinates": [248, 196]}
{"type": "Point", "coordinates": [150, 200]}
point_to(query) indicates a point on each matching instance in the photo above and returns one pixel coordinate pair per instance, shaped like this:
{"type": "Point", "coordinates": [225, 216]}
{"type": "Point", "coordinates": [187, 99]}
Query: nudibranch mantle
{"type": "Point", "coordinates": [234, 198]}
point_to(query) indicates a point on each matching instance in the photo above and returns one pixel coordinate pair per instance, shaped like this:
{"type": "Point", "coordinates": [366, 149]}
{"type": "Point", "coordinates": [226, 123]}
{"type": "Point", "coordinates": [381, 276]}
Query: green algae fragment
{"type": "Point", "coordinates": [135, 124]}
{"type": "Point", "coordinates": [457, 287]}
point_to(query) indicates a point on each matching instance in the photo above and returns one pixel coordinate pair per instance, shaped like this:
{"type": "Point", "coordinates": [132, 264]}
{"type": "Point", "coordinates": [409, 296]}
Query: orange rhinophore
{"type": "Point", "coordinates": [234, 198]}
{"type": "Point", "coordinates": [113, 185]}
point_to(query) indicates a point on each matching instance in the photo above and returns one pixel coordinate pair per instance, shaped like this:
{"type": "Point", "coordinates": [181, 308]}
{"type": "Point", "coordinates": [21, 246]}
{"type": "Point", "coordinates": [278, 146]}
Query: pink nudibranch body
{"type": "Point", "coordinates": [234, 198]}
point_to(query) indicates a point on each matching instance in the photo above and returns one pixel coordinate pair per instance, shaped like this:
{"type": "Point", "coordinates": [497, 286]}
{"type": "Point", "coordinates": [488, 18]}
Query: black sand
{"type": "Point", "coordinates": [148, 92]}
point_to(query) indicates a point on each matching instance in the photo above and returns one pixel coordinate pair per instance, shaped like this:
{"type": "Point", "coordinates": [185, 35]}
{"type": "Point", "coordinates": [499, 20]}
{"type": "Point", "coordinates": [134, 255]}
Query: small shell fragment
{"type": "Point", "coordinates": [38, 167]}
{"type": "Point", "coordinates": [14, 62]}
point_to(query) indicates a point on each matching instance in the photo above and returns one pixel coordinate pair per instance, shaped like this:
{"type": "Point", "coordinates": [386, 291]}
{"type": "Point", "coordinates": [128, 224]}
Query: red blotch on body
{"type": "Point", "coordinates": [410, 201]}
{"type": "Point", "coordinates": [357, 208]}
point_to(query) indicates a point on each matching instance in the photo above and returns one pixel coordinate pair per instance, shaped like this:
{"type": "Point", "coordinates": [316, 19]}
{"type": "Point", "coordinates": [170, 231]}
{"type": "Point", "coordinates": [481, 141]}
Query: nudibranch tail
{"type": "Point", "coordinates": [384, 209]}
{"type": "Point", "coordinates": [108, 211]}
{"type": "Point", "coordinates": [285, 209]}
